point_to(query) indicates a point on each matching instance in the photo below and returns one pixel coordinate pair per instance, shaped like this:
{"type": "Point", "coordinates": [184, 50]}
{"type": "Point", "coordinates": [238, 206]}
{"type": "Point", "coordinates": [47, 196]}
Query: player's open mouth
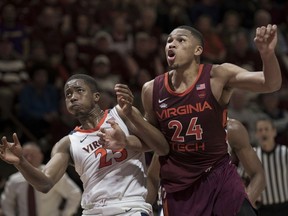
{"type": "Point", "coordinates": [171, 55]}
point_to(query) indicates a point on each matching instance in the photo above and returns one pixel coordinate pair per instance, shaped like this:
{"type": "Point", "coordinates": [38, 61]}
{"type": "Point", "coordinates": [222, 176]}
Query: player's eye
{"type": "Point", "coordinates": [169, 40]}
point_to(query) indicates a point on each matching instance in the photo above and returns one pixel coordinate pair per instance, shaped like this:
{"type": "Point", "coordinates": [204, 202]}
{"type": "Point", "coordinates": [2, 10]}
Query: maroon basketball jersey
{"type": "Point", "coordinates": [194, 124]}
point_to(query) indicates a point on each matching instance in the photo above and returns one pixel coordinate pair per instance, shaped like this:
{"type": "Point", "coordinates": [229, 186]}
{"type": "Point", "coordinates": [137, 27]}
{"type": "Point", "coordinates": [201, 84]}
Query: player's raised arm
{"type": "Point", "coordinates": [150, 135]}
{"type": "Point", "coordinates": [267, 80]}
{"type": "Point", "coordinates": [11, 152]}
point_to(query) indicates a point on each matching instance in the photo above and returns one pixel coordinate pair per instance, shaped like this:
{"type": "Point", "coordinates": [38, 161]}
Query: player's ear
{"type": "Point", "coordinates": [198, 50]}
{"type": "Point", "coordinates": [96, 96]}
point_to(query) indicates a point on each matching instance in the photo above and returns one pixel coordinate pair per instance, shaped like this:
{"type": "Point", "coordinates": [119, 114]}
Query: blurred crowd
{"type": "Point", "coordinates": [43, 42]}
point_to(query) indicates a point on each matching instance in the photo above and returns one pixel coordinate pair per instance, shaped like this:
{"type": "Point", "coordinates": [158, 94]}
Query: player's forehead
{"type": "Point", "coordinates": [74, 83]}
{"type": "Point", "coordinates": [180, 32]}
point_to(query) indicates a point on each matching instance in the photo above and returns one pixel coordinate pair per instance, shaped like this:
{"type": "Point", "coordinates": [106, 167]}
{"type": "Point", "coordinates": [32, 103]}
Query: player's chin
{"type": "Point", "coordinates": [173, 66]}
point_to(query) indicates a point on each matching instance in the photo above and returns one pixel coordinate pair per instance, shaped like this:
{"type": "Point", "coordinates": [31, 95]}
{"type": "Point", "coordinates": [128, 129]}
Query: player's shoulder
{"type": "Point", "coordinates": [149, 84]}
{"type": "Point", "coordinates": [224, 67]}
{"type": "Point", "coordinates": [233, 124]}
{"type": "Point", "coordinates": [147, 88]}
{"type": "Point", "coordinates": [235, 128]}
{"type": "Point", "coordinates": [63, 145]}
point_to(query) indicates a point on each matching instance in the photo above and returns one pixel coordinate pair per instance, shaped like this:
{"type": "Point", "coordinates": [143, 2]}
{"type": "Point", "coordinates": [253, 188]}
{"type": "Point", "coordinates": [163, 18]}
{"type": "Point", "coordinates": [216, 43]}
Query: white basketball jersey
{"type": "Point", "coordinates": [114, 182]}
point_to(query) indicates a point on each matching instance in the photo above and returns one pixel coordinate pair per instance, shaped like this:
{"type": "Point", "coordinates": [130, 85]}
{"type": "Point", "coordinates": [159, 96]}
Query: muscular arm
{"type": "Point", "coordinates": [228, 76]}
{"type": "Point", "coordinates": [146, 132]}
{"type": "Point", "coordinates": [153, 180]}
{"type": "Point", "coordinates": [54, 170]}
{"type": "Point", "coordinates": [116, 139]}
{"type": "Point", "coordinates": [147, 97]}
{"type": "Point", "coordinates": [238, 139]}
{"type": "Point", "coordinates": [60, 159]}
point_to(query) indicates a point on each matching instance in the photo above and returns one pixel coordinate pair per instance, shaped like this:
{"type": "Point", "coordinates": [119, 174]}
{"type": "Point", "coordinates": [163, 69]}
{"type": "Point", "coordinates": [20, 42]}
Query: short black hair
{"type": "Point", "coordinates": [266, 119]}
{"type": "Point", "coordinates": [90, 81]}
{"type": "Point", "coordinates": [197, 34]}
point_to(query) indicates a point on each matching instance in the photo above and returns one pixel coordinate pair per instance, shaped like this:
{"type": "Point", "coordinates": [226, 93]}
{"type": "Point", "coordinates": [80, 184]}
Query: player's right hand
{"type": "Point", "coordinates": [11, 152]}
{"type": "Point", "coordinates": [125, 98]}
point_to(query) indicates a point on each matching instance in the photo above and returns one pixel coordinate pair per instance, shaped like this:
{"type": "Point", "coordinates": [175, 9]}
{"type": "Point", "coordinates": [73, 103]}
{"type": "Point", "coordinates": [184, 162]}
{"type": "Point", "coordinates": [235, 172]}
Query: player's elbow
{"type": "Point", "coordinates": [44, 188]}
{"type": "Point", "coordinates": [162, 151]}
{"type": "Point", "coordinates": [260, 176]}
{"type": "Point", "coordinates": [275, 86]}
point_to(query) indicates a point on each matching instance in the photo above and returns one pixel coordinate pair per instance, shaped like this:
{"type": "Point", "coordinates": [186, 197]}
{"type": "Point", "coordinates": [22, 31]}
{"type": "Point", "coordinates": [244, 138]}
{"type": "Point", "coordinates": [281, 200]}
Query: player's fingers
{"type": "Point", "coordinates": [258, 35]}
{"type": "Point", "coordinates": [3, 146]}
{"type": "Point", "coordinates": [262, 31]}
{"type": "Point", "coordinates": [2, 149]}
{"type": "Point", "coordinates": [273, 29]}
{"type": "Point", "coordinates": [123, 89]}
{"type": "Point", "coordinates": [15, 139]}
{"type": "Point", "coordinates": [269, 29]}
{"type": "Point", "coordinates": [99, 134]}
{"type": "Point", "coordinates": [113, 123]}
{"type": "Point", "coordinates": [4, 142]}
{"type": "Point", "coordinates": [268, 32]}
{"type": "Point", "coordinates": [101, 139]}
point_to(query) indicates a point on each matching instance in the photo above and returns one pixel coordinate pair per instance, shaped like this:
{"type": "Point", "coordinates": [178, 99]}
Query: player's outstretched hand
{"type": "Point", "coordinates": [112, 138]}
{"type": "Point", "coordinates": [266, 38]}
{"type": "Point", "coordinates": [11, 152]}
{"type": "Point", "coordinates": [125, 98]}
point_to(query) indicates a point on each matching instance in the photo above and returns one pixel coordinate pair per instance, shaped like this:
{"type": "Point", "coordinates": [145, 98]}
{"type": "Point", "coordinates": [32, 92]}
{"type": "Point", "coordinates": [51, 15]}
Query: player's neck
{"type": "Point", "coordinates": [92, 119]}
{"type": "Point", "coordinates": [180, 80]}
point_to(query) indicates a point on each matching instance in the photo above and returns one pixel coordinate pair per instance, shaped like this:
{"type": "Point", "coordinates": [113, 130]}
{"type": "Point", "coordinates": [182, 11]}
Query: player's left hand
{"type": "Point", "coordinates": [266, 38]}
{"type": "Point", "coordinates": [112, 138]}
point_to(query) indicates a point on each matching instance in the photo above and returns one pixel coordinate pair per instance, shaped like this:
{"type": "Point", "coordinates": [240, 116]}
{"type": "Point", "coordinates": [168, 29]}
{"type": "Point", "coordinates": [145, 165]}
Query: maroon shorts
{"type": "Point", "coordinates": [220, 192]}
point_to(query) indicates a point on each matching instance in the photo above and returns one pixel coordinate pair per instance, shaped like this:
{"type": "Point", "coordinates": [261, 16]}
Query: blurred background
{"type": "Point", "coordinates": [43, 42]}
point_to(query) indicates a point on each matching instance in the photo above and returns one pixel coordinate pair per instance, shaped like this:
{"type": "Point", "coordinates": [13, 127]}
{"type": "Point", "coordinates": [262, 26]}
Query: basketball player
{"type": "Point", "coordinates": [189, 105]}
{"type": "Point", "coordinates": [113, 180]}
{"type": "Point", "coordinates": [239, 147]}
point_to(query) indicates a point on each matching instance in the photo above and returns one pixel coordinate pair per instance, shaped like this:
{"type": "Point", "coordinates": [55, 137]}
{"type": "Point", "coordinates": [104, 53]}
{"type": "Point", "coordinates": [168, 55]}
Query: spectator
{"type": "Point", "coordinates": [14, 198]}
{"type": "Point", "coordinates": [274, 157]}
{"type": "Point", "coordinates": [243, 107]}
{"type": "Point", "coordinates": [214, 49]}
{"type": "Point", "coordinates": [229, 27]}
{"type": "Point", "coordinates": [47, 31]}
{"type": "Point", "coordinates": [39, 102]}
{"type": "Point", "coordinates": [101, 71]}
{"type": "Point", "coordinates": [11, 29]}
{"type": "Point", "coordinates": [205, 7]}
{"type": "Point", "coordinates": [70, 63]}
{"type": "Point", "coordinates": [13, 76]}
{"type": "Point", "coordinates": [147, 23]}
{"type": "Point", "coordinates": [82, 32]}
{"type": "Point", "coordinates": [121, 34]}
{"type": "Point", "coordinates": [102, 45]}
{"type": "Point", "coordinates": [144, 57]}
{"type": "Point", "coordinates": [269, 106]}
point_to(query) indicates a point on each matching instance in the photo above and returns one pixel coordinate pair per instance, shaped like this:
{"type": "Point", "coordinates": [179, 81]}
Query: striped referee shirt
{"type": "Point", "coordinates": [275, 164]}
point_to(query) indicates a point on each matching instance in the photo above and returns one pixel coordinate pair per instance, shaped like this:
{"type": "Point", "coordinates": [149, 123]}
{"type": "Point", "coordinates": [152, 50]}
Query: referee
{"type": "Point", "coordinates": [274, 157]}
